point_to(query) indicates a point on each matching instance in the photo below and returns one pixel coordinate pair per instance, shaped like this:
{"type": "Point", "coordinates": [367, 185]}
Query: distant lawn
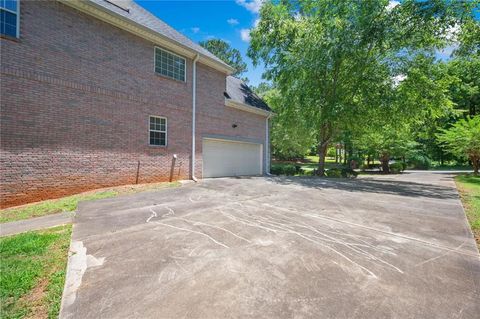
{"type": "Point", "coordinates": [70, 203]}
{"type": "Point", "coordinates": [469, 187]}
{"type": "Point", "coordinates": [451, 168]}
{"type": "Point", "coordinates": [314, 159]}
{"type": "Point", "coordinates": [33, 267]}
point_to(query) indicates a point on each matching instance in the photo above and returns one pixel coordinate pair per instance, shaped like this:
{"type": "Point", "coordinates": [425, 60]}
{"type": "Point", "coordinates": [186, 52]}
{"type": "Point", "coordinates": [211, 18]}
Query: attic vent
{"type": "Point", "coordinates": [119, 4]}
{"type": "Point", "coordinates": [226, 95]}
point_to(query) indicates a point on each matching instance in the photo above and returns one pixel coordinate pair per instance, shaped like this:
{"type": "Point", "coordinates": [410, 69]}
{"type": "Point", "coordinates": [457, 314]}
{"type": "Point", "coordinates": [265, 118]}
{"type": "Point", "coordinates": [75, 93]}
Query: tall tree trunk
{"type": "Point", "coordinates": [322, 152]}
{"type": "Point", "coordinates": [476, 164]}
{"type": "Point", "coordinates": [384, 159]}
{"type": "Point", "coordinates": [324, 140]}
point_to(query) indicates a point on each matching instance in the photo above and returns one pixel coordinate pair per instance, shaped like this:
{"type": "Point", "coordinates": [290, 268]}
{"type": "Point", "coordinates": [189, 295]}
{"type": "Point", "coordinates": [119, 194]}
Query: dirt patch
{"type": "Point", "coordinates": [38, 309]}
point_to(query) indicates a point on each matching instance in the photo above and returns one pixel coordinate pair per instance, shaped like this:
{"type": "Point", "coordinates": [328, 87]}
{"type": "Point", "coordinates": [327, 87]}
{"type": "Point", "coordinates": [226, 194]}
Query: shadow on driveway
{"type": "Point", "coordinates": [380, 186]}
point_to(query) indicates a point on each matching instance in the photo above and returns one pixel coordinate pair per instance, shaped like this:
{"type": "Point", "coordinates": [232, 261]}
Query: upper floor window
{"type": "Point", "coordinates": [158, 131]}
{"type": "Point", "coordinates": [9, 18]}
{"type": "Point", "coordinates": [169, 65]}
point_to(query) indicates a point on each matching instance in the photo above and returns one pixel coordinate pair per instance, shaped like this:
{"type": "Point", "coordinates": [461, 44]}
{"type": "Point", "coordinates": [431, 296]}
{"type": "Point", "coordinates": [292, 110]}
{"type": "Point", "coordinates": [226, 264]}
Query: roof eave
{"type": "Point", "coordinates": [121, 22]}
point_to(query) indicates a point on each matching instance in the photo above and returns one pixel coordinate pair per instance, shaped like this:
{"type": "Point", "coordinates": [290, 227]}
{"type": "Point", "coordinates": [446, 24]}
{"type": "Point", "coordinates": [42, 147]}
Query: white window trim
{"type": "Point", "coordinates": [166, 130]}
{"type": "Point", "coordinates": [17, 14]}
{"type": "Point", "coordinates": [179, 56]}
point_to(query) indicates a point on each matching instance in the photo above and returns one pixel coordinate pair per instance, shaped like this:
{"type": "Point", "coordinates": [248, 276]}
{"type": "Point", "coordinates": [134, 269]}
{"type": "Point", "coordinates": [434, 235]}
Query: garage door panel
{"type": "Point", "coordinates": [230, 158]}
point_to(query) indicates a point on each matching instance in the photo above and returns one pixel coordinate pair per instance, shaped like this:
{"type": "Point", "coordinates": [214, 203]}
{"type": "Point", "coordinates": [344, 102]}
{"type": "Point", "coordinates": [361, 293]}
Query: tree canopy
{"type": "Point", "coordinates": [356, 65]}
{"type": "Point", "coordinates": [463, 140]}
{"type": "Point", "coordinates": [226, 53]}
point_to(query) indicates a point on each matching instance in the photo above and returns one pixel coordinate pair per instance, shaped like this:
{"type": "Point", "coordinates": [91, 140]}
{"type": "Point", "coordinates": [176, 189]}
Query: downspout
{"type": "Point", "coordinates": [267, 145]}
{"type": "Point", "coordinates": [194, 107]}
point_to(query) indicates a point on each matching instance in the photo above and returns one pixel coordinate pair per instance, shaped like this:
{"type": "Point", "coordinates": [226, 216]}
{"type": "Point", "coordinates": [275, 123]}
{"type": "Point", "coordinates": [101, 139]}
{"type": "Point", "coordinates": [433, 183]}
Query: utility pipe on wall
{"type": "Point", "coordinates": [267, 145]}
{"type": "Point", "coordinates": [194, 107]}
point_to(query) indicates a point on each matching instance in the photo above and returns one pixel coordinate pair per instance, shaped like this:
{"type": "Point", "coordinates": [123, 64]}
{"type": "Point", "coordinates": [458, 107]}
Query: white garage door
{"type": "Point", "coordinates": [230, 158]}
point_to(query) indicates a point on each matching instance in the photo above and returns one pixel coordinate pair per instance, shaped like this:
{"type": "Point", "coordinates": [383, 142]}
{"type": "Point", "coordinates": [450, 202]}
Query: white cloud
{"type": "Point", "coordinates": [452, 41]}
{"type": "Point", "coordinates": [392, 4]}
{"type": "Point", "coordinates": [232, 21]}
{"type": "Point", "coordinates": [398, 78]}
{"type": "Point", "coordinates": [256, 22]}
{"type": "Point", "coordinates": [245, 35]}
{"type": "Point", "coordinates": [453, 32]}
{"type": "Point", "coordinates": [251, 5]}
{"type": "Point", "coordinates": [195, 29]}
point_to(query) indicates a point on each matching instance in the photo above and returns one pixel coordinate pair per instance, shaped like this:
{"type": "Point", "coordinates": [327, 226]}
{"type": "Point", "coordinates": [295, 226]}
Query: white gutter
{"type": "Point", "coordinates": [267, 145]}
{"type": "Point", "coordinates": [194, 107]}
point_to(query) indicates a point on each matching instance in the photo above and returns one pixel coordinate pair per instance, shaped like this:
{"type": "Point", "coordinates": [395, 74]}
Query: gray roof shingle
{"type": "Point", "coordinates": [134, 12]}
{"type": "Point", "coordinates": [238, 91]}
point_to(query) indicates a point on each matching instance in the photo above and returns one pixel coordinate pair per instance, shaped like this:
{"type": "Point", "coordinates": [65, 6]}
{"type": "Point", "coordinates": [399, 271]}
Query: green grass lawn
{"type": "Point", "coordinates": [69, 203]}
{"type": "Point", "coordinates": [469, 187]}
{"type": "Point", "coordinates": [33, 267]}
{"type": "Point", "coordinates": [308, 164]}
{"type": "Point", "coordinates": [451, 167]}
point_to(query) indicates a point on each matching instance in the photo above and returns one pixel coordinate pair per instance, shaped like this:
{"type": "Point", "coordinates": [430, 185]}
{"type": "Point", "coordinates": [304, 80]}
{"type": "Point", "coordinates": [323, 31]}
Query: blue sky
{"type": "Point", "coordinates": [228, 20]}
{"type": "Point", "coordinates": [200, 20]}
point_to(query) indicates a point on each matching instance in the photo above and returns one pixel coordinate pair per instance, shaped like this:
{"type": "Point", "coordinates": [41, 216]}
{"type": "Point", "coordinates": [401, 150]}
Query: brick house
{"type": "Point", "coordinates": [101, 93]}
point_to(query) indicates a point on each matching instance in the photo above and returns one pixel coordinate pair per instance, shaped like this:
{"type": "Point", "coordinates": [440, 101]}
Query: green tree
{"type": "Point", "coordinates": [227, 54]}
{"type": "Point", "coordinates": [464, 87]}
{"type": "Point", "coordinates": [385, 143]}
{"type": "Point", "coordinates": [290, 135]}
{"type": "Point", "coordinates": [336, 61]}
{"type": "Point", "coordinates": [463, 140]}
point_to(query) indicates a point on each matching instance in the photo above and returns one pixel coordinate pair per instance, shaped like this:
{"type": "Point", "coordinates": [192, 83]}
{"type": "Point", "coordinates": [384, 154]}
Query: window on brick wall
{"type": "Point", "coordinates": [158, 131]}
{"type": "Point", "coordinates": [9, 18]}
{"type": "Point", "coordinates": [169, 64]}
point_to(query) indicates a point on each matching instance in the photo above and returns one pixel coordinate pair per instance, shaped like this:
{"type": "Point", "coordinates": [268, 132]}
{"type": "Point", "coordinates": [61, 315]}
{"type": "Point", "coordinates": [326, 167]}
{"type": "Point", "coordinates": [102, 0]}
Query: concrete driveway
{"type": "Point", "coordinates": [375, 247]}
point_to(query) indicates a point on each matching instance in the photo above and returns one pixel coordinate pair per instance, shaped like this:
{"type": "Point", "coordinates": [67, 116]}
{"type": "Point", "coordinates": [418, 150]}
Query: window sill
{"type": "Point", "coordinates": [10, 38]}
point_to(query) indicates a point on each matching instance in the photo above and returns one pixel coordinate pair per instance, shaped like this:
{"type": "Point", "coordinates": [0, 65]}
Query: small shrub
{"type": "Point", "coordinates": [276, 169]}
{"type": "Point", "coordinates": [396, 168]}
{"type": "Point", "coordinates": [331, 152]}
{"type": "Point", "coordinates": [337, 172]}
{"type": "Point", "coordinates": [282, 169]}
{"type": "Point", "coordinates": [334, 172]}
{"type": "Point", "coordinates": [289, 170]}
{"type": "Point", "coordinates": [419, 161]}
{"type": "Point", "coordinates": [348, 172]}
{"type": "Point", "coordinates": [298, 169]}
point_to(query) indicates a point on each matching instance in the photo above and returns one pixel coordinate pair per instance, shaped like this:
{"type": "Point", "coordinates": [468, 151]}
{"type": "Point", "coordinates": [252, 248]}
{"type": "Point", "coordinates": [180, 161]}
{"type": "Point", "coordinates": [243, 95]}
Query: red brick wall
{"type": "Point", "coordinates": [76, 94]}
{"type": "Point", "coordinates": [214, 118]}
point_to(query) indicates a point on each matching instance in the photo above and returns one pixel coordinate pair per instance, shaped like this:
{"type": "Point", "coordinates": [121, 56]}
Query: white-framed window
{"type": "Point", "coordinates": [158, 130]}
{"type": "Point", "coordinates": [10, 18]}
{"type": "Point", "coordinates": [169, 64]}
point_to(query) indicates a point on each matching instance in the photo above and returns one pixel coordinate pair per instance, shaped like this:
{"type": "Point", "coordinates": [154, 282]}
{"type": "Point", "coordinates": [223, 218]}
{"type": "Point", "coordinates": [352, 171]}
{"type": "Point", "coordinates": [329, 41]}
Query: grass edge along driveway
{"type": "Point", "coordinates": [33, 267]}
{"type": "Point", "coordinates": [469, 189]}
{"type": "Point", "coordinates": [69, 203]}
